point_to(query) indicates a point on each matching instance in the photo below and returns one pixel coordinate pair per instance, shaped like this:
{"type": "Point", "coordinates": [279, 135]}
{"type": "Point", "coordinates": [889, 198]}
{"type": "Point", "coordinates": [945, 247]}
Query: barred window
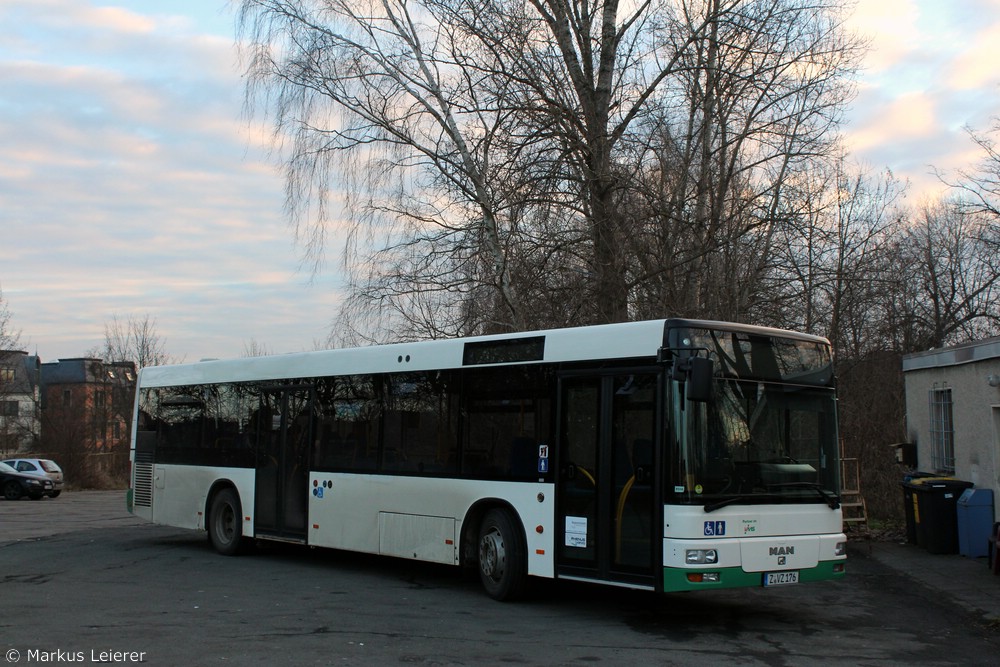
{"type": "Point", "coordinates": [942, 430]}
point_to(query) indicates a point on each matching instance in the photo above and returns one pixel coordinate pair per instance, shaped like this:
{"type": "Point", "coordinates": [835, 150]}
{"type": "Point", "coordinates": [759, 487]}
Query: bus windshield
{"type": "Point", "coordinates": [755, 442]}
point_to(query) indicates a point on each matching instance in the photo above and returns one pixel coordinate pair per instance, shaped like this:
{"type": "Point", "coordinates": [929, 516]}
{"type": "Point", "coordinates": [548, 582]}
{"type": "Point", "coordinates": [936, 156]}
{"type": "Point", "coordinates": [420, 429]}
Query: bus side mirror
{"type": "Point", "coordinates": [696, 373]}
{"type": "Point", "coordinates": [700, 379]}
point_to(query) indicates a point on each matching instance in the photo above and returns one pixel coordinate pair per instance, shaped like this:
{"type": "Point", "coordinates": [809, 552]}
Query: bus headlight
{"type": "Point", "coordinates": [701, 556]}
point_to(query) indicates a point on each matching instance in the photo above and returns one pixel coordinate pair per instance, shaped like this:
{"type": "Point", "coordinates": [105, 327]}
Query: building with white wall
{"type": "Point", "coordinates": [953, 411]}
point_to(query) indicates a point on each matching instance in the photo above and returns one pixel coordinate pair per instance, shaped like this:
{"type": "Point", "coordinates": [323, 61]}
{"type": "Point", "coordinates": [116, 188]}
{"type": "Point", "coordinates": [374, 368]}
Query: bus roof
{"type": "Point", "coordinates": [597, 342]}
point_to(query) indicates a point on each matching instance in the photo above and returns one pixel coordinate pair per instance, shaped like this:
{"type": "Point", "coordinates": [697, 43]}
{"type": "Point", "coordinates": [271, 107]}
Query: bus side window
{"type": "Point", "coordinates": [420, 423]}
{"type": "Point", "coordinates": [349, 412]}
{"type": "Point", "coordinates": [505, 420]}
{"type": "Point", "coordinates": [181, 420]}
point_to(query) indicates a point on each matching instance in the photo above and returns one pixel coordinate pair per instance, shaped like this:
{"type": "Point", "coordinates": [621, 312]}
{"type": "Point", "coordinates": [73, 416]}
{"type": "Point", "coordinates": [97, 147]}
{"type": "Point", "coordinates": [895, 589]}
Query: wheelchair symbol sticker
{"type": "Point", "coordinates": [715, 528]}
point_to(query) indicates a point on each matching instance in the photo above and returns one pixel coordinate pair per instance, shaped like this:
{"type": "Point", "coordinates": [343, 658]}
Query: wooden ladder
{"type": "Point", "coordinates": [852, 503]}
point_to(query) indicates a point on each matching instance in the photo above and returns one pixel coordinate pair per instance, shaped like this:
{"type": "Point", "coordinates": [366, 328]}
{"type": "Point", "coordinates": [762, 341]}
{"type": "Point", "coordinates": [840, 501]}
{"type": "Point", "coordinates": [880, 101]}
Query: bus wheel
{"type": "Point", "coordinates": [225, 523]}
{"type": "Point", "coordinates": [502, 556]}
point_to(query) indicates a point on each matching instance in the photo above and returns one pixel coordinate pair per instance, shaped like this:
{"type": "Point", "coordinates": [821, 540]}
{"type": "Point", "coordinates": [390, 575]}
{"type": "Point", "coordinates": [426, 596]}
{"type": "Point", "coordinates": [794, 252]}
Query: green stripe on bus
{"type": "Point", "coordinates": [675, 580]}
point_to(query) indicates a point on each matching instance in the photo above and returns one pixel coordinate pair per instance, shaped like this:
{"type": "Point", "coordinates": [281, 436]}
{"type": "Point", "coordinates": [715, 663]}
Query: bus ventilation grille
{"type": "Point", "coordinates": [142, 486]}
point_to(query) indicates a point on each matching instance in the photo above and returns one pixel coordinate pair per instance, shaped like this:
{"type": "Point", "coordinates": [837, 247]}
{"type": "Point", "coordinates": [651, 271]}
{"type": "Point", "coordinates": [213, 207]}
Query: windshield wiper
{"type": "Point", "coordinates": [725, 502]}
{"type": "Point", "coordinates": [831, 499]}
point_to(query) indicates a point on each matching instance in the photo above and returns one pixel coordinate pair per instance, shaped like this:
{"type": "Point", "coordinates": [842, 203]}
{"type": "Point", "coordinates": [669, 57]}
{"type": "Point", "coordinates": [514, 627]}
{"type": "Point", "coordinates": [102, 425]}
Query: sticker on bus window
{"type": "Point", "coordinates": [576, 531]}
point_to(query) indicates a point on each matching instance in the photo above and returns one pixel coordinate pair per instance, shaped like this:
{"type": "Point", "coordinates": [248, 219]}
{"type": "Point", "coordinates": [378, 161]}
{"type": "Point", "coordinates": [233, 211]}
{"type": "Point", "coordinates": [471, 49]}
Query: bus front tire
{"type": "Point", "coordinates": [225, 523]}
{"type": "Point", "coordinates": [503, 568]}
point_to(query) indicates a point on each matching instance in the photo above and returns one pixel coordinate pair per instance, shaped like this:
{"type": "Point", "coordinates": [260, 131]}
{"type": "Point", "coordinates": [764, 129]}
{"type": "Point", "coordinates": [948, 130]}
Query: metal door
{"type": "Point", "coordinates": [607, 476]}
{"type": "Point", "coordinates": [284, 431]}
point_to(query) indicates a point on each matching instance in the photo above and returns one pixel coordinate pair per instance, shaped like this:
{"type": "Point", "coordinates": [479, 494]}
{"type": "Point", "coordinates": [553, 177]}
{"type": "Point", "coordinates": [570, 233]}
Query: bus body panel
{"type": "Point", "coordinates": [416, 517]}
{"type": "Point", "coordinates": [685, 521]}
{"type": "Point", "coordinates": [607, 341]}
{"type": "Point", "coordinates": [181, 494]}
{"type": "Point", "coordinates": [750, 541]}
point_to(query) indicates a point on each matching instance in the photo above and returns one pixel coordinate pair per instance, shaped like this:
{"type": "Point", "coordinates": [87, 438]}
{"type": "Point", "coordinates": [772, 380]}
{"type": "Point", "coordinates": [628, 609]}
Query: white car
{"type": "Point", "coordinates": [40, 468]}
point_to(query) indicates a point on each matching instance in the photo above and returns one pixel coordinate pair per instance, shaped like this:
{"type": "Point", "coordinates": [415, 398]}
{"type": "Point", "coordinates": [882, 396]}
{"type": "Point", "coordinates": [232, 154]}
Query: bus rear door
{"type": "Point", "coordinates": [282, 477]}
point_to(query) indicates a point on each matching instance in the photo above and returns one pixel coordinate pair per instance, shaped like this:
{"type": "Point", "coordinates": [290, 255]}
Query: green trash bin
{"type": "Point", "coordinates": [935, 512]}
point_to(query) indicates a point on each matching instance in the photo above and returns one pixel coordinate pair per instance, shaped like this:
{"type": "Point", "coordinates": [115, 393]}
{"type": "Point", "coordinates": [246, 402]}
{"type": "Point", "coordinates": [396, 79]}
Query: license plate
{"type": "Point", "coordinates": [781, 578]}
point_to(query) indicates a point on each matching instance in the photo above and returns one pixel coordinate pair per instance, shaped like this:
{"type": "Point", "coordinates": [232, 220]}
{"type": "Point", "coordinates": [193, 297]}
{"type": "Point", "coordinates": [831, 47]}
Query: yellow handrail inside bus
{"type": "Point", "coordinates": [618, 517]}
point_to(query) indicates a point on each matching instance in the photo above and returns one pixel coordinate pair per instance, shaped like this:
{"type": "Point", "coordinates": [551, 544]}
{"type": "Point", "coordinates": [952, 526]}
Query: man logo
{"type": "Point", "coordinates": [781, 551]}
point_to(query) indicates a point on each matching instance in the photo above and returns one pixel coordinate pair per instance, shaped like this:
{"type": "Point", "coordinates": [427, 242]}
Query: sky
{"type": "Point", "coordinates": [133, 183]}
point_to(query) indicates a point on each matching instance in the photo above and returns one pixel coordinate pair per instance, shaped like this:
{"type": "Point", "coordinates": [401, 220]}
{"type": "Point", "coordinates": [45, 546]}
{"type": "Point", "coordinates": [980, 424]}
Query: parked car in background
{"type": "Point", "coordinates": [40, 468]}
{"type": "Point", "coordinates": [15, 484]}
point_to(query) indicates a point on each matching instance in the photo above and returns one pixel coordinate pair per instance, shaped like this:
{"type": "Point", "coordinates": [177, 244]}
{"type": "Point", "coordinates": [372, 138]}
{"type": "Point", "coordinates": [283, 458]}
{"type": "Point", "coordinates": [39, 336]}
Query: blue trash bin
{"type": "Point", "coordinates": [975, 520]}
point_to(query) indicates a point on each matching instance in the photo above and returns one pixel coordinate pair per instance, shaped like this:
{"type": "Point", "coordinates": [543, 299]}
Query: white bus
{"type": "Point", "coordinates": [669, 455]}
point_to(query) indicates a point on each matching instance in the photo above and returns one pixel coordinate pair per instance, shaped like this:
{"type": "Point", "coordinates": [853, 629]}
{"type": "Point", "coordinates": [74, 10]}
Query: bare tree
{"type": "Point", "coordinates": [949, 277]}
{"type": "Point", "coordinates": [489, 149]}
{"type": "Point", "coordinates": [980, 187]}
{"type": "Point", "coordinates": [748, 122]}
{"type": "Point", "coordinates": [10, 338]}
{"type": "Point", "coordinates": [253, 348]}
{"type": "Point", "coordinates": [68, 437]}
{"type": "Point", "coordinates": [18, 390]}
{"type": "Point", "coordinates": [385, 92]}
{"type": "Point", "coordinates": [834, 263]}
{"type": "Point", "coordinates": [134, 339]}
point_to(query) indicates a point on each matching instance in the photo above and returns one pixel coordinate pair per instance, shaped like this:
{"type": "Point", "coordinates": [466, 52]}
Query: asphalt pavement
{"type": "Point", "coordinates": [969, 583]}
{"type": "Point", "coordinates": [966, 582]}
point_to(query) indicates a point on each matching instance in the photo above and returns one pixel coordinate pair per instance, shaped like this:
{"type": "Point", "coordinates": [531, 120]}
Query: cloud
{"type": "Point", "coordinates": [890, 26]}
{"type": "Point", "coordinates": [906, 117]}
{"type": "Point", "coordinates": [130, 183]}
{"type": "Point", "coordinates": [931, 72]}
{"type": "Point", "coordinates": [976, 66]}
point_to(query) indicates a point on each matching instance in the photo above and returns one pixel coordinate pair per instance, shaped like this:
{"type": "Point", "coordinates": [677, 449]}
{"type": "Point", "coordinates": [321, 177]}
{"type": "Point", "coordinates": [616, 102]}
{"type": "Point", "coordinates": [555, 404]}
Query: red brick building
{"type": "Point", "coordinates": [87, 411]}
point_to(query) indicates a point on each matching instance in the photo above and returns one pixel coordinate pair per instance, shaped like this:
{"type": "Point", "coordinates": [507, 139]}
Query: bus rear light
{"type": "Point", "coordinates": [838, 567]}
{"type": "Point", "coordinates": [703, 577]}
{"type": "Point", "coordinates": [539, 529]}
{"type": "Point", "coordinates": [840, 549]}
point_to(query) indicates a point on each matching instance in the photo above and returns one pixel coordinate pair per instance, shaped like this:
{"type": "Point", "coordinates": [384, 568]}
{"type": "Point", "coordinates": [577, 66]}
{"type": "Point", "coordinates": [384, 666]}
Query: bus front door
{"type": "Point", "coordinates": [607, 479]}
{"type": "Point", "coordinates": [282, 478]}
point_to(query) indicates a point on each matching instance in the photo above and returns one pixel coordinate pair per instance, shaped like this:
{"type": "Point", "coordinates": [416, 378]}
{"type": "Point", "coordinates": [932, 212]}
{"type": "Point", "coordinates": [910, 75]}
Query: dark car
{"type": "Point", "coordinates": [40, 468]}
{"type": "Point", "coordinates": [15, 484]}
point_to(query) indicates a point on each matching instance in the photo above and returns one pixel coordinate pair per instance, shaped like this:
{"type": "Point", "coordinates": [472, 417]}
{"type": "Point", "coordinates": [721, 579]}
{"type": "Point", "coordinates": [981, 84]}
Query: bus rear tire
{"type": "Point", "coordinates": [503, 566]}
{"type": "Point", "coordinates": [225, 523]}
